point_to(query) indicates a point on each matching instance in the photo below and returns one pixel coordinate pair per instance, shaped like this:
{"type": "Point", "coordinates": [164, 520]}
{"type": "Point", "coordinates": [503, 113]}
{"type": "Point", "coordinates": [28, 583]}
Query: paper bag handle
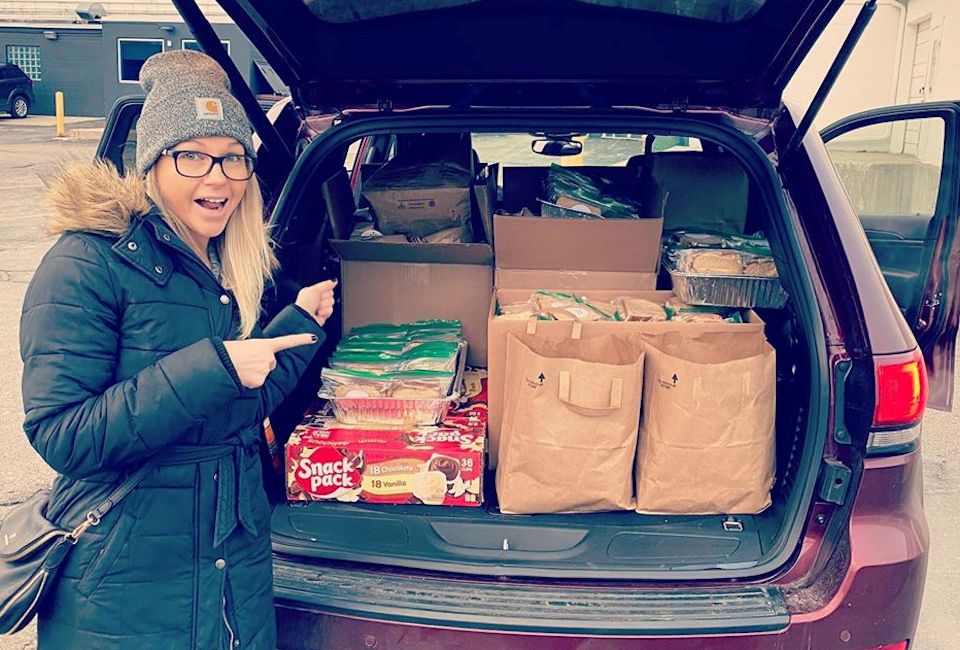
{"type": "Point", "coordinates": [616, 397]}
{"type": "Point", "coordinates": [576, 331]}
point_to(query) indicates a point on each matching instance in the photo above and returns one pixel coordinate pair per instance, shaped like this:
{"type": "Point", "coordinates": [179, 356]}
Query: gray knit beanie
{"type": "Point", "coordinates": [188, 96]}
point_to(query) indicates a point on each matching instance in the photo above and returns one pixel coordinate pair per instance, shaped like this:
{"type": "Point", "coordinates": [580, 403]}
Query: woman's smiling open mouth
{"type": "Point", "coordinates": [211, 204]}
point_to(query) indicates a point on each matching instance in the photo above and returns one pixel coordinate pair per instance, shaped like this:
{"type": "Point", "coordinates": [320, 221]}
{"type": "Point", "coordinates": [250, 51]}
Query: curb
{"type": "Point", "coordinates": [85, 133]}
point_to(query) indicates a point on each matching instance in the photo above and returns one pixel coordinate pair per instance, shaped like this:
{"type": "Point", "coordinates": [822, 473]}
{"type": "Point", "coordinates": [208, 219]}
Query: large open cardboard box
{"type": "Point", "coordinates": [399, 283]}
{"type": "Point", "coordinates": [602, 259]}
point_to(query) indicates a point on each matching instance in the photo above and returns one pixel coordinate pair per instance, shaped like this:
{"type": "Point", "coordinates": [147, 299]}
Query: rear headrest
{"type": "Point", "coordinates": [699, 191]}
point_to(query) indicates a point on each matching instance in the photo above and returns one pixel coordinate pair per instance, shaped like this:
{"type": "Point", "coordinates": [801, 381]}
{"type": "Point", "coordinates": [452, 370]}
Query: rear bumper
{"type": "Point", "coordinates": [877, 602]}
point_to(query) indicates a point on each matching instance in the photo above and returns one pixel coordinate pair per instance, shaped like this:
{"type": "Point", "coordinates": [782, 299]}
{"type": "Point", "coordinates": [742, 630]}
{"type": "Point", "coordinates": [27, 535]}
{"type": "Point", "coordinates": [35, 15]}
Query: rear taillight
{"type": "Point", "coordinates": [901, 389]}
{"type": "Point", "coordinates": [901, 397]}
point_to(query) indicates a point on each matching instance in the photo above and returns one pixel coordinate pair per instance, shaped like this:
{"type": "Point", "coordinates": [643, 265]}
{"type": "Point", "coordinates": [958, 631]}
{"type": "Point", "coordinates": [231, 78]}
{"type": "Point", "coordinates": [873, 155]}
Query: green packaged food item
{"type": "Point", "coordinates": [389, 334]}
{"type": "Point", "coordinates": [683, 312]}
{"type": "Point", "coordinates": [600, 195]}
{"type": "Point", "coordinates": [391, 329]}
{"type": "Point", "coordinates": [433, 355]}
{"type": "Point", "coordinates": [389, 346]}
{"type": "Point", "coordinates": [553, 305]}
{"type": "Point", "coordinates": [340, 383]}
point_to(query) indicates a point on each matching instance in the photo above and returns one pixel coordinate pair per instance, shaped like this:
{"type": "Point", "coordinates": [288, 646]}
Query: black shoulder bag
{"type": "Point", "coordinates": [32, 549]}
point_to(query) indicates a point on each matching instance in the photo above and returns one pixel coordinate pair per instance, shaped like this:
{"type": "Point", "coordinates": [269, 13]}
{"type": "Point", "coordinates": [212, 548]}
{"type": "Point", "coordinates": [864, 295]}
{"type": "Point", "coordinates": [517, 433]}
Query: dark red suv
{"type": "Point", "coordinates": [862, 223]}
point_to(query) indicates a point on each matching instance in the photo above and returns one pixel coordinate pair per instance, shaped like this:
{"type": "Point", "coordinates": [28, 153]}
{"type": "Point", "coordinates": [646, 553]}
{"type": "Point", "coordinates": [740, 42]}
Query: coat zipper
{"type": "Point", "coordinates": [226, 623]}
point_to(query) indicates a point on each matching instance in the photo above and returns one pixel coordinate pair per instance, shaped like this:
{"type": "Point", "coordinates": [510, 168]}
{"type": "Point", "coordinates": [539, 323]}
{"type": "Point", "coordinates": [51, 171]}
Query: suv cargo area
{"type": "Point", "coordinates": [700, 176]}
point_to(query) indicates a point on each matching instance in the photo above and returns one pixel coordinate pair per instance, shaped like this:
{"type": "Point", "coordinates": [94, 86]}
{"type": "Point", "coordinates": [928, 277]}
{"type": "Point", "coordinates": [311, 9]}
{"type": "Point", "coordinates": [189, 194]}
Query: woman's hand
{"type": "Point", "coordinates": [254, 359]}
{"type": "Point", "coordinates": [317, 300]}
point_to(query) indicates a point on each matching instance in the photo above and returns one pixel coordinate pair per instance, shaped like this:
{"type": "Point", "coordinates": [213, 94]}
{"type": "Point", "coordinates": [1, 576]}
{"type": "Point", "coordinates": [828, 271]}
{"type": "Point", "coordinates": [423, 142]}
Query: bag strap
{"type": "Point", "coordinates": [576, 329]}
{"type": "Point", "coordinates": [96, 514]}
{"type": "Point", "coordinates": [616, 396]}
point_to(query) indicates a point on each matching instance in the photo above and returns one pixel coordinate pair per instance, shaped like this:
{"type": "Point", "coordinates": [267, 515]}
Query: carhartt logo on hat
{"type": "Point", "coordinates": [209, 108]}
{"type": "Point", "coordinates": [188, 96]}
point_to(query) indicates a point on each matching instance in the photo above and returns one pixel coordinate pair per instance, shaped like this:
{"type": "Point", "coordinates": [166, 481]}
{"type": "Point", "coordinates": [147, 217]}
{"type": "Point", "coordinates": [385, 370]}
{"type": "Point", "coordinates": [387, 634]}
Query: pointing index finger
{"type": "Point", "coordinates": [288, 341]}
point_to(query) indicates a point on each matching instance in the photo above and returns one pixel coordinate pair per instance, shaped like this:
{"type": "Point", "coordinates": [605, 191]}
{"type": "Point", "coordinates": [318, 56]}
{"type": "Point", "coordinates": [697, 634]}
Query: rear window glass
{"type": "Point", "coordinates": [601, 149]}
{"type": "Point", "coordinates": [718, 11]}
{"type": "Point", "coordinates": [693, 183]}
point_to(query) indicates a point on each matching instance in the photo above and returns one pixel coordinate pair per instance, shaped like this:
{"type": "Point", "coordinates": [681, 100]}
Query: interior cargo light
{"type": "Point", "coordinates": [901, 389]}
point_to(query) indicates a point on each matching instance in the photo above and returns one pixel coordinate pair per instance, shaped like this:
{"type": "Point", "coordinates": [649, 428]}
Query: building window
{"type": "Point", "coordinates": [27, 57]}
{"type": "Point", "coordinates": [190, 44]}
{"type": "Point", "coordinates": [131, 54]}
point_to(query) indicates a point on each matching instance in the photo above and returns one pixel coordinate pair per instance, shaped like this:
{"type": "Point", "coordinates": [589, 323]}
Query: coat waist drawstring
{"type": "Point", "coordinates": [233, 506]}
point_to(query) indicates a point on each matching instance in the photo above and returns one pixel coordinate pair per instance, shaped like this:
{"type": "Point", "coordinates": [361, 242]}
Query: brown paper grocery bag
{"type": "Point", "coordinates": [707, 436]}
{"type": "Point", "coordinates": [570, 421]}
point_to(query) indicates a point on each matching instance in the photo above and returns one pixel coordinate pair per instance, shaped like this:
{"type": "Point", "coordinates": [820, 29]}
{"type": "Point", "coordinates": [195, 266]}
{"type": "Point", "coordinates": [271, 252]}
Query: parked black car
{"type": "Point", "coordinates": [16, 88]}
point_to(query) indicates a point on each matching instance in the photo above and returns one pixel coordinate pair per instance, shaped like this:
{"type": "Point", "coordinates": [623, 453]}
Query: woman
{"type": "Point", "coordinates": [139, 339]}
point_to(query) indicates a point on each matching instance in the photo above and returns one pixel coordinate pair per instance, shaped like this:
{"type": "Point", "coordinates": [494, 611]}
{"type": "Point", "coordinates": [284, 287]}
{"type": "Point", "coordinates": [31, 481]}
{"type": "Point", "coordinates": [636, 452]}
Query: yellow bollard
{"type": "Point", "coordinates": [61, 126]}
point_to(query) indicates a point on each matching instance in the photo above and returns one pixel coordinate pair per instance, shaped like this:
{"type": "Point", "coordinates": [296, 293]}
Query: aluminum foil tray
{"type": "Point", "coordinates": [548, 209]}
{"type": "Point", "coordinates": [728, 290]}
{"type": "Point", "coordinates": [390, 410]}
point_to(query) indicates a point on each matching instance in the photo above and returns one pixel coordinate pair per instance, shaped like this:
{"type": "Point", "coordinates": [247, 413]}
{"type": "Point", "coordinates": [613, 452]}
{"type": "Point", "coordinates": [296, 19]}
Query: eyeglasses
{"type": "Point", "coordinates": [195, 164]}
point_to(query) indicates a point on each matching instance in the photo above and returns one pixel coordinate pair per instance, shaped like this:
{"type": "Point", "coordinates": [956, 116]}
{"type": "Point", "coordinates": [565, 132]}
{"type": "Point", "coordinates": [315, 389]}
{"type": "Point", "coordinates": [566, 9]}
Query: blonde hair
{"type": "Point", "coordinates": [245, 249]}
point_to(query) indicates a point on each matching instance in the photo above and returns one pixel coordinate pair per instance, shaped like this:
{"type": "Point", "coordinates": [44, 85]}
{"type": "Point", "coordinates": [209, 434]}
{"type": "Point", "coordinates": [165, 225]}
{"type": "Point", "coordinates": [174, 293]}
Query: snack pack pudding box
{"type": "Point", "coordinates": [438, 465]}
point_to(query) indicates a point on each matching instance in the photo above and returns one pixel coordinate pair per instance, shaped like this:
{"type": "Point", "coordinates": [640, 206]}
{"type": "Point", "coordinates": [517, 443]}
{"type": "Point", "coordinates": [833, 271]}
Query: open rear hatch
{"type": "Point", "coordinates": [732, 53]}
{"type": "Point", "coordinates": [716, 173]}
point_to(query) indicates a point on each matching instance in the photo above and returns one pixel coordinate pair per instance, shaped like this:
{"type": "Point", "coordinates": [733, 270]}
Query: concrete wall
{"type": "Point", "coordinates": [888, 67]}
{"type": "Point", "coordinates": [869, 79]}
{"type": "Point", "coordinates": [64, 10]}
{"type": "Point", "coordinates": [910, 54]}
{"type": "Point", "coordinates": [84, 63]}
{"type": "Point", "coordinates": [70, 64]}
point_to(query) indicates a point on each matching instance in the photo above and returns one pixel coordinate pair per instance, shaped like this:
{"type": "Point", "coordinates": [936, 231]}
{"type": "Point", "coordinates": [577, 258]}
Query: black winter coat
{"type": "Point", "coordinates": [122, 343]}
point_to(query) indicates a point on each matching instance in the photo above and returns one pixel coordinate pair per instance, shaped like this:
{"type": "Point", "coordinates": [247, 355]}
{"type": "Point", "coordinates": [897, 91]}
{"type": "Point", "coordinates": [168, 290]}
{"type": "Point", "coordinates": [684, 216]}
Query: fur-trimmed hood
{"type": "Point", "coordinates": [94, 197]}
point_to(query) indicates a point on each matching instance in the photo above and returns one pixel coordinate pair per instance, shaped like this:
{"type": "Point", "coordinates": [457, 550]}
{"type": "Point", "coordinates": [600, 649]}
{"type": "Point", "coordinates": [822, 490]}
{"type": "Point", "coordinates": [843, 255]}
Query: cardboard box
{"type": "Point", "coordinates": [624, 253]}
{"type": "Point", "coordinates": [402, 283]}
{"type": "Point", "coordinates": [523, 186]}
{"type": "Point", "coordinates": [441, 465]}
{"type": "Point", "coordinates": [594, 257]}
{"type": "Point", "coordinates": [426, 187]}
{"type": "Point", "coordinates": [420, 200]}
{"type": "Point", "coordinates": [498, 329]}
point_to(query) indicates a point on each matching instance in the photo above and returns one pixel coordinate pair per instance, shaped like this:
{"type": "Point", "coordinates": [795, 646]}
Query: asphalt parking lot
{"type": "Point", "coordinates": [30, 154]}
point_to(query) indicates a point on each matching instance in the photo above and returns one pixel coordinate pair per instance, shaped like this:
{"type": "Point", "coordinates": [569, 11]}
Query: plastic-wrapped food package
{"type": "Point", "coordinates": [432, 355]}
{"type": "Point", "coordinates": [352, 383]}
{"type": "Point", "coordinates": [563, 306]}
{"type": "Point", "coordinates": [710, 261]}
{"type": "Point", "coordinates": [525, 310]}
{"type": "Point", "coordinates": [554, 305]}
{"type": "Point", "coordinates": [395, 374]}
{"type": "Point", "coordinates": [679, 311]}
{"type": "Point", "coordinates": [756, 265]}
{"type": "Point", "coordinates": [640, 310]}
{"type": "Point", "coordinates": [723, 270]}
{"type": "Point", "coordinates": [571, 194]}
{"type": "Point", "coordinates": [342, 383]}
{"type": "Point", "coordinates": [607, 310]}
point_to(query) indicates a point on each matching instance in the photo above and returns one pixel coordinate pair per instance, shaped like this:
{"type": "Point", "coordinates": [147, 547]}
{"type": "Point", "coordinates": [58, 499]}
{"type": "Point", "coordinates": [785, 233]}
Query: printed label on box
{"type": "Point", "coordinates": [435, 465]}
